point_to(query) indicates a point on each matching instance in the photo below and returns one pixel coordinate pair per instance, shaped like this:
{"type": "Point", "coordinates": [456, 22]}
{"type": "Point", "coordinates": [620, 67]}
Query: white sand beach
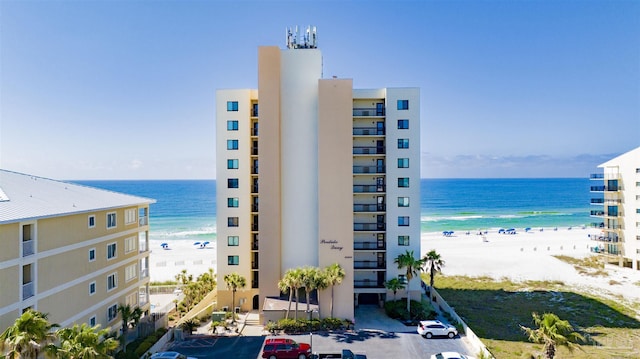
{"type": "Point", "coordinates": [529, 256]}
{"type": "Point", "coordinates": [521, 256]}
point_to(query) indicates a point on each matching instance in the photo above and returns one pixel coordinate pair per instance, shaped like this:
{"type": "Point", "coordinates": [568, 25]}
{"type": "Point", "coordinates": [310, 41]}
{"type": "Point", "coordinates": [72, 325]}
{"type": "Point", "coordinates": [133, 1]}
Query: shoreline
{"type": "Point", "coordinates": [518, 257]}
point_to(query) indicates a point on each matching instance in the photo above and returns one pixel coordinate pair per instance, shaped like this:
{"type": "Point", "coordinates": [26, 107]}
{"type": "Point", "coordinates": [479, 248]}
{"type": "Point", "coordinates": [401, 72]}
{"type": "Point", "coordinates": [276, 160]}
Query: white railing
{"type": "Point", "coordinates": [28, 248]}
{"type": "Point", "coordinates": [27, 290]}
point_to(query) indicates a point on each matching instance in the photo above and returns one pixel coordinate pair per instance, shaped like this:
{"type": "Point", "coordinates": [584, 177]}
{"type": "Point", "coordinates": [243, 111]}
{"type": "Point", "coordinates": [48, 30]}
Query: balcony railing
{"type": "Point", "coordinates": [597, 213]}
{"type": "Point", "coordinates": [254, 189]}
{"type": "Point", "coordinates": [367, 283]}
{"type": "Point", "coordinates": [144, 272]}
{"type": "Point", "coordinates": [368, 111]}
{"type": "Point", "coordinates": [28, 290]}
{"type": "Point", "coordinates": [368, 245]}
{"type": "Point", "coordinates": [612, 201]}
{"type": "Point", "coordinates": [142, 246]}
{"type": "Point", "coordinates": [143, 297]}
{"type": "Point", "coordinates": [597, 200]}
{"type": "Point", "coordinates": [368, 150]}
{"type": "Point", "coordinates": [255, 246]}
{"type": "Point", "coordinates": [613, 227]}
{"type": "Point", "coordinates": [254, 284]}
{"type": "Point", "coordinates": [597, 225]}
{"type": "Point", "coordinates": [368, 169]}
{"type": "Point", "coordinates": [368, 265]}
{"type": "Point", "coordinates": [368, 131]}
{"type": "Point", "coordinates": [254, 227]}
{"type": "Point", "coordinates": [254, 151]}
{"type": "Point", "coordinates": [596, 176]}
{"type": "Point", "coordinates": [597, 189]}
{"type": "Point", "coordinates": [143, 221]}
{"type": "Point", "coordinates": [254, 208]}
{"type": "Point", "coordinates": [369, 207]}
{"type": "Point", "coordinates": [254, 264]}
{"type": "Point", "coordinates": [254, 170]}
{"type": "Point", "coordinates": [368, 188]}
{"type": "Point", "coordinates": [369, 226]}
{"type": "Point", "coordinates": [28, 248]}
{"type": "Point", "coordinates": [254, 131]}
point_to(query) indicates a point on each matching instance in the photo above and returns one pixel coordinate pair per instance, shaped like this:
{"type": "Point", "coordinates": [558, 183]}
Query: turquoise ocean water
{"type": "Point", "coordinates": [186, 209]}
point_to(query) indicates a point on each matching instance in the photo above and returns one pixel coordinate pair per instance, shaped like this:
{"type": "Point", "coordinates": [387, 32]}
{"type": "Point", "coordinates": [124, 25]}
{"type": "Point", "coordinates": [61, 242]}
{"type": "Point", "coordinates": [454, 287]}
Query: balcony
{"type": "Point", "coordinates": [28, 248]}
{"type": "Point", "coordinates": [369, 188]}
{"type": "Point", "coordinates": [369, 226]}
{"type": "Point", "coordinates": [367, 283]}
{"type": "Point", "coordinates": [369, 265]}
{"type": "Point", "coordinates": [368, 131]}
{"type": "Point", "coordinates": [254, 207]}
{"type": "Point", "coordinates": [254, 131]}
{"type": "Point", "coordinates": [597, 214]}
{"type": "Point", "coordinates": [597, 225]}
{"type": "Point", "coordinates": [254, 284]}
{"type": "Point", "coordinates": [143, 221]}
{"type": "Point", "coordinates": [254, 245]}
{"type": "Point", "coordinates": [142, 246]}
{"type": "Point", "coordinates": [369, 245]}
{"type": "Point", "coordinates": [369, 207]}
{"type": "Point", "coordinates": [610, 202]}
{"type": "Point", "coordinates": [596, 176]}
{"type": "Point", "coordinates": [254, 189]}
{"type": "Point", "coordinates": [254, 226]}
{"type": "Point", "coordinates": [144, 273]}
{"type": "Point", "coordinates": [368, 150]}
{"type": "Point", "coordinates": [28, 290]}
{"type": "Point", "coordinates": [597, 189]}
{"type": "Point", "coordinates": [597, 200]}
{"type": "Point", "coordinates": [368, 111]}
{"type": "Point", "coordinates": [254, 264]}
{"type": "Point", "coordinates": [368, 169]}
{"type": "Point", "coordinates": [254, 170]}
{"type": "Point", "coordinates": [254, 151]}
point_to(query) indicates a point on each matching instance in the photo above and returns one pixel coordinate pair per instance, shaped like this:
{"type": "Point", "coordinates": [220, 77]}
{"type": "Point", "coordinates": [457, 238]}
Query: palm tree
{"type": "Point", "coordinates": [234, 281]}
{"type": "Point", "coordinates": [83, 342]}
{"type": "Point", "coordinates": [285, 286]}
{"type": "Point", "coordinates": [433, 263]}
{"type": "Point", "coordinates": [394, 285]}
{"type": "Point", "coordinates": [26, 336]}
{"type": "Point", "coordinates": [307, 277]}
{"type": "Point", "coordinates": [296, 284]}
{"type": "Point", "coordinates": [320, 282]}
{"type": "Point", "coordinates": [130, 316]}
{"type": "Point", "coordinates": [413, 265]}
{"type": "Point", "coordinates": [335, 274]}
{"type": "Point", "coordinates": [552, 331]}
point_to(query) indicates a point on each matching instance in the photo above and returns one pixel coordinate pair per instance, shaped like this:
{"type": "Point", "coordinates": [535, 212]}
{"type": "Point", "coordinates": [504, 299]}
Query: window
{"type": "Point", "coordinates": [403, 201]}
{"type": "Point", "coordinates": [132, 299]}
{"type": "Point", "coordinates": [403, 240]}
{"type": "Point", "coordinates": [111, 220]}
{"type": "Point", "coordinates": [112, 281]}
{"type": "Point", "coordinates": [233, 241]}
{"type": "Point", "coordinates": [232, 221]}
{"type": "Point", "coordinates": [232, 164]}
{"type": "Point", "coordinates": [130, 244]}
{"type": "Point", "coordinates": [403, 182]}
{"type": "Point", "coordinates": [403, 143]}
{"type": "Point", "coordinates": [403, 124]}
{"type": "Point", "coordinates": [232, 183]}
{"type": "Point", "coordinates": [130, 272]}
{"type": "Point", "coordinates": [130, 216]}
{"type": "Point", "coordinates": [233, 260]}
{"type": "Point", "coordinates": [232, 144]}
{"type": "Point", "coordinates": [112, 312]}
{"type": "Point", "coordinates": [111, 250]}
{"type": "Point", "coordinates": [403, 163]}
{"type": "Point", "coordinates": [403, 104]}
{"type": "Point", "coordinates": [92, 288]}
{"type": "Point", "coordinates": [92, 254]}
{"type": "Point", "coordinates": [92, 321]}
{"type": "Point", "coordinates": [232, 105]}
{"type": "Point", "coordinates": [92, 221]}
{"type": "Point", "coordinates": [232, 125]}
{"type": "Point", "coordinates": [403, 221]}
{"type": "Point", "coordinates": [232, 202]}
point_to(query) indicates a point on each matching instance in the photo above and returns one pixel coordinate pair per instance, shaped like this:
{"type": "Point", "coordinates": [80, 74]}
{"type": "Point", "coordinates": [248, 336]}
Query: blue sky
{"type": "Point", "coordinates": [126, 89]}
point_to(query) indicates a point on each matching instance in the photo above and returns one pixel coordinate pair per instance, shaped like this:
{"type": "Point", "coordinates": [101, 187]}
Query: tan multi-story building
{"type": "Point", "coordinates": [618, 207]}
{"type": "Point", "coordinates": [338, 179]}
{"type": "Point", "coordinates": [71, 251]}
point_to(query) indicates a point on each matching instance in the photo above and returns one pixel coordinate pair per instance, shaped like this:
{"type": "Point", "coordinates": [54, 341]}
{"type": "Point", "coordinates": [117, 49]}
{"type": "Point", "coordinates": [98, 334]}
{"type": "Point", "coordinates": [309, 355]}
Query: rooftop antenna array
{"type": "Point", "coordinates": [302, 40]}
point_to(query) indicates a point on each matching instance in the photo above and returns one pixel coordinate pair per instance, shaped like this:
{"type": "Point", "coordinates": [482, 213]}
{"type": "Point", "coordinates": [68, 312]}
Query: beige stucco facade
{"type": "Point", "coordinates": [60, 263]}
{"type": "Point", "coordinates": [334, 165]}
{"type": "Point", "coordinates": [618, 209]}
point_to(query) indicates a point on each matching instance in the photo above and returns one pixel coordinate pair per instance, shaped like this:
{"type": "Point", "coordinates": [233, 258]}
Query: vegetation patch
{"type": "Point", "coordinates": [292, 326]}
{"type": "Point", "coordinates": [495, 310]}
{"type": "Point", "coordinates": [591, 266]}
{"type": "Point", "coordinates": [419, 311]}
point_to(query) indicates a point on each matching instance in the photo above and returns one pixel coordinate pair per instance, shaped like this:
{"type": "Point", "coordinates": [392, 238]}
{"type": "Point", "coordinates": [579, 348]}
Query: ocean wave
{"type": "Point", "coordinates": [184, 233]}
{"type": "Point", "coordinates": [450, 218]}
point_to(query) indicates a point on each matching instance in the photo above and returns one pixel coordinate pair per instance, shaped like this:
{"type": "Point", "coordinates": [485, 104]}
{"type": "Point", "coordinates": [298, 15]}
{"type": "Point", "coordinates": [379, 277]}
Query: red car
{"type": "Point", "coordinates": [282, 348]}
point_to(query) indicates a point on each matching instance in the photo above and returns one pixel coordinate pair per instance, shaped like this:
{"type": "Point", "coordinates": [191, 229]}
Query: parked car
{"type": "Point", "coordinates": [170, 355]}
{"type": "Point", "coordinates": [450, 355]}
{"type": "Point", "coordinates": [283, 348]}
{"type": "Point", "coordinates": [431, 328]}
{"type": "Point", "coordinates": [346, 354]}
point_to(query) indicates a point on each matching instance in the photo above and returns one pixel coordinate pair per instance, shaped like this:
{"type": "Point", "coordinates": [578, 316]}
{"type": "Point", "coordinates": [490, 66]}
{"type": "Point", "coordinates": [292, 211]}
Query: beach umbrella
{"type": "Point", "coordinates": [527, 229]}
{"type": "Point", "coordinates": [205, 243]}
{"type": "Point", "coordinates": [196, 243]}
{"type": "Point", "coordinates": [164, 245]}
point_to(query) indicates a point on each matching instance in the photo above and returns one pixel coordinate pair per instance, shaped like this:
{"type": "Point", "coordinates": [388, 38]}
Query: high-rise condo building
{"type": "Point", "coordinates": [618, 208]}
{"type": "Point", "coordinates": [312, 172]}
{"type": "Point", "coordinates": [71, 251]}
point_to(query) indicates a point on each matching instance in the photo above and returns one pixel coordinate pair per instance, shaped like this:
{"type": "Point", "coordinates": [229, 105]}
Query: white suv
{"type": "Point", "coordinates": [430, 328]}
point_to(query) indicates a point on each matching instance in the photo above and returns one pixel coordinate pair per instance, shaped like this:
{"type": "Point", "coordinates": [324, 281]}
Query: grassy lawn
{"type": "Point", "coordinates": [495, 309]}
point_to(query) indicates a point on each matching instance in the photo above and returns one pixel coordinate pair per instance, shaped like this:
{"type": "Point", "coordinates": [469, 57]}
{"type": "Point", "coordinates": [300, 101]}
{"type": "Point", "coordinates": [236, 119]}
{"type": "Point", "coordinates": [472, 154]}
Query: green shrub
{"type": "Point", "coordinates": [143, 348]}
{"type": "Point", "coordinates": [332, 324]}
{"type": "Point", "coordinates": [419, 310]}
